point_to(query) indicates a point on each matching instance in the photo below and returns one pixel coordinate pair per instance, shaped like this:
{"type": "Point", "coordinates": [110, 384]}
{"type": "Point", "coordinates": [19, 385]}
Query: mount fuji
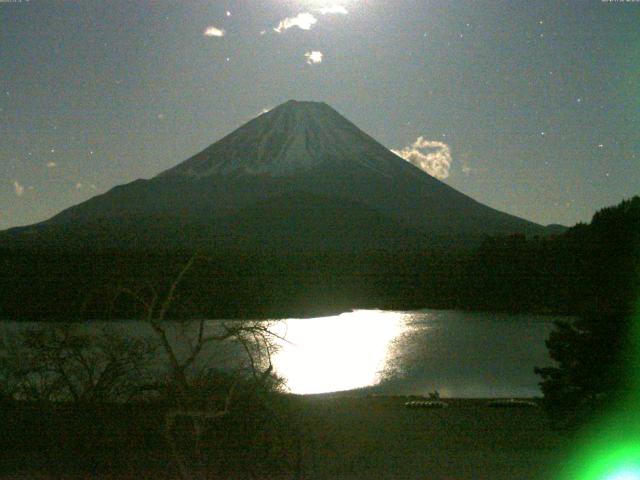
{"type": "Point", "coordinates": [300, 177]}
{"type": "Point", "coordinates": [298, 212]}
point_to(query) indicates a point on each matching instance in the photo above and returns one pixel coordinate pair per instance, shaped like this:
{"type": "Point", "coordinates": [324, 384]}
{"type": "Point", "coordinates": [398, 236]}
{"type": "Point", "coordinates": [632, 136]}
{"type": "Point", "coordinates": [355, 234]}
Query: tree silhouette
{"type": "Point", "coordinates": [595, 352]}
{"type": "Point", "coordinates": [63, 363]}
{"type": "Point", "coordinates": [200, 394]}
{"type": "Point", "coordinates": [594, 357]}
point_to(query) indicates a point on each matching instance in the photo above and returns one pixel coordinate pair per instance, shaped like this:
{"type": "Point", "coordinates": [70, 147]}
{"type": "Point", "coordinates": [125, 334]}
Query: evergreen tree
{"type": "Point", "coordinates": [594, 357]}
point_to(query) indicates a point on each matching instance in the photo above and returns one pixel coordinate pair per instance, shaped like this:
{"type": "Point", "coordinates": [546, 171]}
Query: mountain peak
{"type": "Point", "coordinates": [299, 103]}
{"type": "Point", "coordinates": [300, 162]}
{"type": "Point", "coordinates": [293, 137]}
{"type": "Point", "coordinates": [305, 108]}
{"type": "Point", "coordinates": [302, 104]}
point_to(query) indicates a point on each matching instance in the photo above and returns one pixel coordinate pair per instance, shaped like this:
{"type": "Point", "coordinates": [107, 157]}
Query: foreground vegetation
{"type": "Point", "coordinates": [322, 438]}
{"type": "Point", "coordinates": [195, 399]}
{"type": "Point", "coordinates": [75, 403]}
{"type": "Point", "coordinates": [589, 268]}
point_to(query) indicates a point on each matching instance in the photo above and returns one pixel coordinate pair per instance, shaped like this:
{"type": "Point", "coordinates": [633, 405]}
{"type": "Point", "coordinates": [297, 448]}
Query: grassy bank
{"type": "Point", "coordinates": [378, 437]}
{"type": "Point", "coordinates": [342, 438]}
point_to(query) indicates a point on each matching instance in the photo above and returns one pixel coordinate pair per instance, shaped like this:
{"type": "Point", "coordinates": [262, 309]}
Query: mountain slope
{"type": "Point", "coordinates": [297, 212]}
{"type": "Point", "coordinates": [298, 148]}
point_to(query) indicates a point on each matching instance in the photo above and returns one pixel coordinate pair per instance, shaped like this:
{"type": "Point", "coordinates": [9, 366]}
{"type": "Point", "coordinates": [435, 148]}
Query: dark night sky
{"type": "Point", "coordinates": [538, 102]}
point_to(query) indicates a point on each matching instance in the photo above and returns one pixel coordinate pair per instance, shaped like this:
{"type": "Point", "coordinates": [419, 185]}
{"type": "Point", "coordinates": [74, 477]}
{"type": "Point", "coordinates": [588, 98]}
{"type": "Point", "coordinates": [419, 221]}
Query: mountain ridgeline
{"type": "Point", "coordinates": [300, 177]}
{"type": "Point", "coordinates": [296, 212]}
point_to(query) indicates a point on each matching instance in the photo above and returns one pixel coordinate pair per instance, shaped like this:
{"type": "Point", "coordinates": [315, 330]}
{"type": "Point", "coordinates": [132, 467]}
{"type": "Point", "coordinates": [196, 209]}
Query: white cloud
{"type": "Point", "coordinates": [52, 164]}
{"type": "Point", "coordinates": [430, 156]}
{"type": "Point", "coordinates": [303, 21]}
{"type": "Point", "coordinates": [314, 57]}
{"type": "Point", "coordinates": [212, 31]}
{"type": "Point", "coordinates": [19, 189]}
{"type": "Point", "coordinates": [334, 9]}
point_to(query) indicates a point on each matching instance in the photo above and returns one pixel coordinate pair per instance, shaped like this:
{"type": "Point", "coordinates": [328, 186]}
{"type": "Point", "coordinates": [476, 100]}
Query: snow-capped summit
{"type": "Point", "coordinates": [298, 176]}
{"type": "Point", "coordinates": [293, 137]}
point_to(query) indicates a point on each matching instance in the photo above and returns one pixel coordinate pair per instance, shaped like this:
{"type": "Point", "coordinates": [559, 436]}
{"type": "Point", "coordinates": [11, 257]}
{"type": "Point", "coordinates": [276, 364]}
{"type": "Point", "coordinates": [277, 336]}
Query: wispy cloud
{"type": "Point", "coordinates": [314, 57]}
{"type": "Point", "coordinates": [17, 188]}
{"type": "Point", "coordinates": [212, 31]}
{"type": "Point", "coordinates": [303, 21]}
{"type": "Point", "coordinates": [52, 164]}
{"type": "Point", "coordinates": [430, 156]}
{"type": "Point", "coordinates": [333, 9]}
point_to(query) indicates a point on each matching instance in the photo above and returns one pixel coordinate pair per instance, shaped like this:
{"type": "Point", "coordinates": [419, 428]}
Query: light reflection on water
{"type": "Point", "coordinates": [460, 354]}
{"type": "Point", "coordinates": [342, 352]}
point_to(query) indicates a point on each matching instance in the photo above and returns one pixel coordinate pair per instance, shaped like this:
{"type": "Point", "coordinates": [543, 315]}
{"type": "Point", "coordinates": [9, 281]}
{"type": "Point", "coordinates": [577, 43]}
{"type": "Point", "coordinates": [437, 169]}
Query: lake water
{"type": "Point", "coordinates": [459, 354]}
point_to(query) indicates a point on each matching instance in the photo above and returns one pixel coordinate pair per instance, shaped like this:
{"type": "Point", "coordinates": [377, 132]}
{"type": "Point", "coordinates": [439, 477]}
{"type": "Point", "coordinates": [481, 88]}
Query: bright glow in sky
{"type": "Point", "coordinates": [335, 5]}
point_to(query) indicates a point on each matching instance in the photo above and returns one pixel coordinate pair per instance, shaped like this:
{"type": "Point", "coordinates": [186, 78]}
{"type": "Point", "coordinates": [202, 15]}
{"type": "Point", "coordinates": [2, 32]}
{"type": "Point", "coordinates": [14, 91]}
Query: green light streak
{"type": "Point", "coordinates": [610, 449]}
{"type": "Point", "coordinates": [626, 474]}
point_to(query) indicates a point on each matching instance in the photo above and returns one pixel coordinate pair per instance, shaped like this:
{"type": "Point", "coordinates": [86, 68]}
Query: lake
{"type": "Point", "coordinates": [459, 354]}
